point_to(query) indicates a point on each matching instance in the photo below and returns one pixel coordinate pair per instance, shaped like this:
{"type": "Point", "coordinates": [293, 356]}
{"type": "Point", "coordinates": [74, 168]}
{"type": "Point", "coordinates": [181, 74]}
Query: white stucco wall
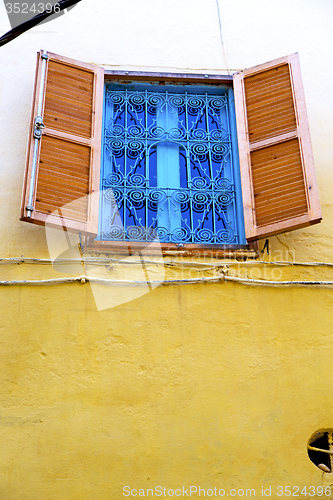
{"type": "Point", "coordinates": [179, 36]}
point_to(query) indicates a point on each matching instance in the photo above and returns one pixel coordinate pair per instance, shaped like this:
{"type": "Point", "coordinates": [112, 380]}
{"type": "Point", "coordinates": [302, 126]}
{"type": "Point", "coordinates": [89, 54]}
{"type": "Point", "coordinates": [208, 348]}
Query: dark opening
{"type": "Point", "coordinates": [320, 440]}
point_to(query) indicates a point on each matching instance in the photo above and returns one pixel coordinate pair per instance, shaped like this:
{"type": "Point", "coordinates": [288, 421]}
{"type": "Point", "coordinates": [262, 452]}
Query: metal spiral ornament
{"type": "Point", "coordinates": [180, 235]}
{"type": "Point", "coordinates": [136, 233]}
{"type": "Point", "coordinates": [116, 232]}
{"type": "Point", "coordinates": [198, 202]}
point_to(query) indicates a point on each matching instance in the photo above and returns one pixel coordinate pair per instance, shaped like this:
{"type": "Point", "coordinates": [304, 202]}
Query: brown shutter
{"type": "Point", "coordinates": [68, 152]}
{"type": "Point", "coordinates": [278, 178]}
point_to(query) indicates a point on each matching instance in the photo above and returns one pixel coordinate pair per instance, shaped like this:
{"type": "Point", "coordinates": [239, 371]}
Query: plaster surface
{"type": "Point", "coordinates": [217, 385]}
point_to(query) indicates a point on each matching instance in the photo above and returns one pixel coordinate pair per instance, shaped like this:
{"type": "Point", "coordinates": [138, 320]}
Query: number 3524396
{"type": "Point", "coordinates": [296, 491]}
{"type": "Point", "coordinates": [35, 8]}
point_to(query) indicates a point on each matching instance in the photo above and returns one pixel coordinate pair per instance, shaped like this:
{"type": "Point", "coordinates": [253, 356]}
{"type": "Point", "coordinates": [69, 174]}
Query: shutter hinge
{"type": "Point", "coordinates": [39, 125]}
{"type": "Point", "coordinates": [44, 56]}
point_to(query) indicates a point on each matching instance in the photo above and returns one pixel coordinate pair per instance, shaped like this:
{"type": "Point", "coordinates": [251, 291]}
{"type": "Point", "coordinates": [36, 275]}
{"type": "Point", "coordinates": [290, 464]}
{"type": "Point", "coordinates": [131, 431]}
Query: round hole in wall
{"type": "Point", "coordinates": [320, 449]}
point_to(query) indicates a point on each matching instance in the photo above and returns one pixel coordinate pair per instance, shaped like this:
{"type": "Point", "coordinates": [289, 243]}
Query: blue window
{"type": "Point", "coordinates": [170, 165]}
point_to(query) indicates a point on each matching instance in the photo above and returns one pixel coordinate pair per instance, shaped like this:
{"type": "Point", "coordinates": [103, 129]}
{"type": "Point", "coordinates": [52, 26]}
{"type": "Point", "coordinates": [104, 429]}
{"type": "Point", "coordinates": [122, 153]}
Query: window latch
{"type": "Point", "coordinates": [39, 125]}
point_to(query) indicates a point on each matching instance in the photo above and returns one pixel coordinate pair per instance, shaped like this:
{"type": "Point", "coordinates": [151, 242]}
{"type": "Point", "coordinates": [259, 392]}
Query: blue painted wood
{"type": "Point", "coordinates": [236, 170]}
{"type": "Point", "coordinates": [103, 210]}
{"type": "Point", "coordinates": [168, 172]}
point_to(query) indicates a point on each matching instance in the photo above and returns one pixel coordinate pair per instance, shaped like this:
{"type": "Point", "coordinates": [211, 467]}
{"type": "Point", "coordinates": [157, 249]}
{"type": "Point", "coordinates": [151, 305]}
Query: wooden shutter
{"type": "Point", "coordinates": [67, 156]}
{"type": "Point", "coordinates": [278, 178]}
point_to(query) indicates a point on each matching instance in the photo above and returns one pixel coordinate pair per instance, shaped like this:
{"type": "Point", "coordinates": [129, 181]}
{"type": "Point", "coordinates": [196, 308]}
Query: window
{"type": "Point", "coordinates": [170, 165]}
{"type": "Point", "coordinates": [170, 156]}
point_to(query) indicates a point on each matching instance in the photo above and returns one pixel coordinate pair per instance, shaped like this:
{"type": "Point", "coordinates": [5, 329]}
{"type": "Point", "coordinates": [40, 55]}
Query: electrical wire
{"type": "Point", "coordinates": [221, 37]}
{"type": "Point", "coordinates": [250, 281]}
{"type": "Point", "coordinates": [87, 279]}
{"type": "Point", "coordinates": [222, 267]}
{"type": "Point", "coordinates": [176, 263]}
{"type": "Point", "coordinates": [210, 279]}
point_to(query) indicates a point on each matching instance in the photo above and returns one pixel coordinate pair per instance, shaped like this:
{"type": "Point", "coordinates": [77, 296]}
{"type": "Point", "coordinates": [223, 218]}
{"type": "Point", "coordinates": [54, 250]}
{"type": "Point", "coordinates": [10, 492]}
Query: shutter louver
{"type": "Point", "coordinates": [278, 178]}
{"type": "Point", "coordinates": [67, 155]}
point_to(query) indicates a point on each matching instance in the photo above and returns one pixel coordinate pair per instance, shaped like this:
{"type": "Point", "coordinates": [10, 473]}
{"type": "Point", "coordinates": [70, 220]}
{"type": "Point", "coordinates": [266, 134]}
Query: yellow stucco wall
{"type": "Point", "coordinates": [217, 385]}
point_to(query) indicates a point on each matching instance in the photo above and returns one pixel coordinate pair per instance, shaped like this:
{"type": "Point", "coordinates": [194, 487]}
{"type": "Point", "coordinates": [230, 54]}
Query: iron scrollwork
{"type": "Point", "coordinates": [144, 133]}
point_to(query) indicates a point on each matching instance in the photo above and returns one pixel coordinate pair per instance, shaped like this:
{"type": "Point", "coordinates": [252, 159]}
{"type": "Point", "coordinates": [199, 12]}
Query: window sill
{"type": "Point", "coordinates": [250, 251]}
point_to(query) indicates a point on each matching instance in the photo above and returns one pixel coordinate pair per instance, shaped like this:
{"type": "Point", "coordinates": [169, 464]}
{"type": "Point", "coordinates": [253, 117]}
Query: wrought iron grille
{"type": "Point", "coordinates": [169, 167]}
